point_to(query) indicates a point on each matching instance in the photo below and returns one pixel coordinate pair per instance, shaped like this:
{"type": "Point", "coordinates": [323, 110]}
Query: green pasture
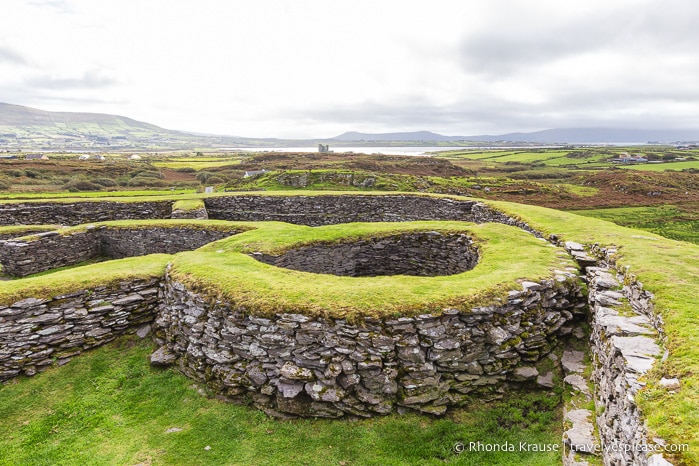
{"type": "Point", "coordinates": [109, 407]}
{"type": "Point", "coordinates": [665, 166]}
{"type": "Point", "coordinates": [671, 221]}
{"type": "Point", "coordinates": [226, 269]}
{"type": "Point", "coordinates": [198, 163]}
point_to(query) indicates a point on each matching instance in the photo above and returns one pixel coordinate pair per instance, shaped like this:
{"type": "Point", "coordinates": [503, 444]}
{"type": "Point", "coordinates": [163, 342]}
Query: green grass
{"type": "Point", "coordinates": [547, 157]}
{"type": "Point", "coordinates": [188, 205]}
{"type": "Point", "coordinates": [109, 407]}
{"type": "Point", "coordinates": [670, 270]}
{"type": "Point", "coordinates": [81, 278]}
{"type": "Point", "coordinates": [661, 167]}
{"type": "Point", "coordinates": [197, 163]}
{"type": "Point", "coordinates": [670, 221]}
{"type": "Point", "coordinates": [26, 229]}
{"type": "Point", "coordinates": [225, 269]}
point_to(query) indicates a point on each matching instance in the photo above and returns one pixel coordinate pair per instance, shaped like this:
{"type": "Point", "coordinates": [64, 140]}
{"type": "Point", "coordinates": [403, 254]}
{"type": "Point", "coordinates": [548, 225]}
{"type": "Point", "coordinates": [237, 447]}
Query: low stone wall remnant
{"type": "Point", "coordinates": [35, 333]}
{"type": "Point", "coordinates": [624, 345]}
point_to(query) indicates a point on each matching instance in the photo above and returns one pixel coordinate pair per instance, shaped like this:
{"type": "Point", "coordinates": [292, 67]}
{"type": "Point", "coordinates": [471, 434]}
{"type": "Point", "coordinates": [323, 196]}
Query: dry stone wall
{"type": "Point", "coordinates": [35, 333]}
{"type": "Point", "coordinates": [419, 254]}
{"type": "Point", "coordinates": [19, 233]}
{"type": "Point", "coordinates": [293, 365]}
{"type": "Point", "coordinates": [327, 209]}
{"type": "Point", "coordinates": [81, 212]}
{"type": "Point", "coordinates": [53, 249]}
{"type": "Point", "coordinates": [625, 332]}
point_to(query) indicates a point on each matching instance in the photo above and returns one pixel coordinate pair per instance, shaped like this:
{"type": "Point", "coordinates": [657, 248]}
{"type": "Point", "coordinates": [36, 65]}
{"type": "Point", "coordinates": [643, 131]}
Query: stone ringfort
{"type": "Point", "coordinates": [250, 311]}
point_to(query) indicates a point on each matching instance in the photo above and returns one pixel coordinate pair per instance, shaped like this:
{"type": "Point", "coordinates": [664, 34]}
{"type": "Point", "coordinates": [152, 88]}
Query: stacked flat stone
{"type": "Point", "coordinates": [418, 254]}
{"type": "Point", "coordinates": [294, 365]}
{"type": "Point", "coordinates": [50, 250]}
{"type": "Point", "coordinates": [35, 333]}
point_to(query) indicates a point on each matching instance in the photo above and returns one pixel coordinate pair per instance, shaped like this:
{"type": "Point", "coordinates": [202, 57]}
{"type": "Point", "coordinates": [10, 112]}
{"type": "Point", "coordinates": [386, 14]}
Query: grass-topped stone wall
{"type": "Point", "coordinates": [114, 240]}
{"type": "Point", "coordinates": [326, 209]}
{"type": "Point", "coordinates": [299, 343]}
{"type": "Point", "coordinates": [65, 212]}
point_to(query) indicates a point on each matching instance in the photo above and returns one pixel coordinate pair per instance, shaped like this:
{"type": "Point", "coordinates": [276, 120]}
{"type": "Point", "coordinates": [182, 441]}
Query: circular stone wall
{"type": "Point", "coordinates": [425, 254]}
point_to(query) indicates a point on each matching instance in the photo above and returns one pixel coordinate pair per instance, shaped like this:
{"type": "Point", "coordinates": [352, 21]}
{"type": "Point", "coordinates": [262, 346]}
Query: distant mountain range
{"type": "Point", "coordinates": [548, 136]}
{"type": "Point", "coordinates": [29, 128]}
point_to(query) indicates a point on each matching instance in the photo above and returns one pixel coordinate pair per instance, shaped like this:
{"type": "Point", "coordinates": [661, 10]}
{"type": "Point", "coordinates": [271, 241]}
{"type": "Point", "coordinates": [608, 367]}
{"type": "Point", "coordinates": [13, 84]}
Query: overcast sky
{"type": "Point", "coordinates": [305, 68]}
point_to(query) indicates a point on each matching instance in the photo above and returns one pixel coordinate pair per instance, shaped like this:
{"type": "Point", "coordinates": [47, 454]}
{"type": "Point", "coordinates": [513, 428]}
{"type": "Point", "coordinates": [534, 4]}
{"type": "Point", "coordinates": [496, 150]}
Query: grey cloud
{"type": "Point", "coordinates": [655, 29]}
{"type": "Point", "coordinates": [89, 80]}
{"type": "Point", "coordinates": [482, 115]}
{"type": "Point", "coordinates": [8, 55]}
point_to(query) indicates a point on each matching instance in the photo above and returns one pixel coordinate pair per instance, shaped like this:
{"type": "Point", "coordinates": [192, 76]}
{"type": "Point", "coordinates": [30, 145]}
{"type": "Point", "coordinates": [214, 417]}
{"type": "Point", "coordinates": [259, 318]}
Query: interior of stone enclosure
{"type": "Point", "coordinates": [108, 240]}
{"type": "Point", "coordinates": [428, 254]}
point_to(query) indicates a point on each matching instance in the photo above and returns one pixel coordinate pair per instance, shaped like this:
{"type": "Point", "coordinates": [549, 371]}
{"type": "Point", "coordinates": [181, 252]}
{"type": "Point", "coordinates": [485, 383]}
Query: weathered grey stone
{"type": "Point", "coordinates": [289, 390]}
{"type": "Point", "coordinates": [639, 352]}
{"type": "Point", "coordinates": [162, 357]}
{"type": "Point", "coordinates": [573, 246]}
{"type": "Point", "coordinates": [572, 361]}
{"type": "Point", "coordinates": [577, 382]}
{"type": "Point", "coordinates": [524, 373]}
{"type": "Point", "coordinates": [580, 437]}
{"type": "Point", "coordinates": [658, 460]}
{"type": "Point", "coordinates": [293, 372]}
{"type": "Point", "coordinates": [545, 380]}
{"type": "Point", "coordinates": [143, 330]}
{"type": "Point", "coordinates": [497, 335]}
{"type": "Point", "coordinates": [669, 384]}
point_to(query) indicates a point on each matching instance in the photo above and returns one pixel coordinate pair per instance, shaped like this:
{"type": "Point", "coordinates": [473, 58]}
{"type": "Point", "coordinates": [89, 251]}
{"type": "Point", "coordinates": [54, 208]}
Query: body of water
{"type": "Point", "coordinates": [406, 150]}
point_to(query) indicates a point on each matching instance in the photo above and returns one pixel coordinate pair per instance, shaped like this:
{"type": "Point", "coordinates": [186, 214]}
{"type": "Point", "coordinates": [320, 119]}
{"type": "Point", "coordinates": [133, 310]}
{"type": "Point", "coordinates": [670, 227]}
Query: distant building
{"type": "Point", "coordinates": [630, 159]}
{"type": "Point", "coordinates": [323, 148]}
{"type": "Point", "coordinates": [84, 157]}
{"type": "Point", "coordinates": [135, 157]}
{"type": "Point", "coordinates": [8, 157]}
{"type": "Point", "coordinates": [254, 173]}
{"type": "Point", "coordinates": [36, 157]}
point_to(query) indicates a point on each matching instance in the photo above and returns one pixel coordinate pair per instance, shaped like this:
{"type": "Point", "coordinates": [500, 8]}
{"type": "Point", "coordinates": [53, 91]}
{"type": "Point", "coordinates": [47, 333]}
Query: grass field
{"type": "Point", "coordinates": [197, 163]}
{"type": "Point", "coordinates": [661, 167]}
{"type": "Point", "coordinates": [671, 221]}
{"type": "Point", "coordinates": [109, 407]}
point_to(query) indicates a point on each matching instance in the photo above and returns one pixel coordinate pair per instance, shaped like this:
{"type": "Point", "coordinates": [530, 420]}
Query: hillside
{"type": "Point", "coordinates": [30, 128]}
{"type": "Point", "coordinates": [20, 116]}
